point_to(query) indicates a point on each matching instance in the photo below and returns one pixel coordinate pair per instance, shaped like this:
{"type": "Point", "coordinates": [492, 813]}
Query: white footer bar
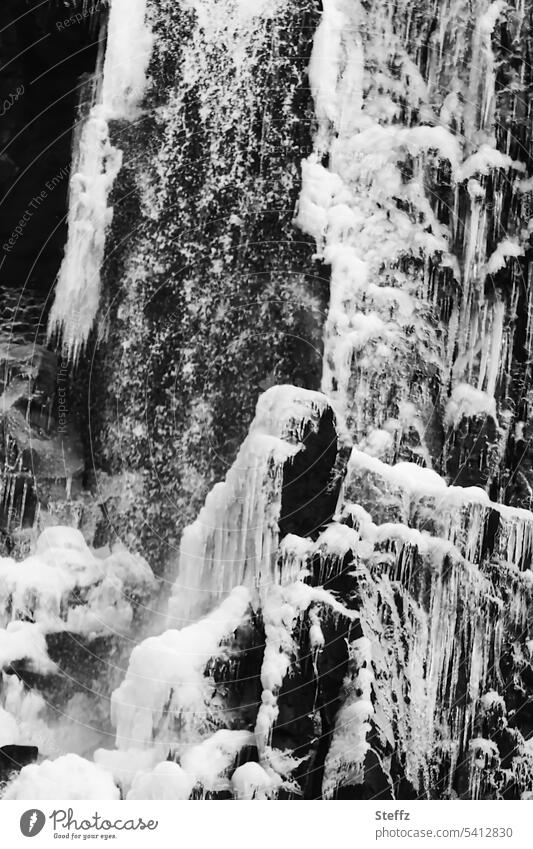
{"type": "Point", "coordinates": [268, 825]}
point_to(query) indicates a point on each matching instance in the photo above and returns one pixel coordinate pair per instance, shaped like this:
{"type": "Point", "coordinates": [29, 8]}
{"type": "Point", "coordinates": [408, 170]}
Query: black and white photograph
{"type": "Point", "coordinates": [266, 413]}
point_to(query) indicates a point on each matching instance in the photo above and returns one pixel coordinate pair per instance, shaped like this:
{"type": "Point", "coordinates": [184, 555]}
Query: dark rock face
{"type": "Point", "coordinates": [312, 480]}
{"type": "Point", "coordinates": [40, 450]}
{"type": "Point", "coordinates": [47, 51]}
{"type": "Point", "coordinates": [44, 51]}
{"type": "Point", "coordinates": [13, 758]}
{"type": "Point", "coordinates": [231, 301]}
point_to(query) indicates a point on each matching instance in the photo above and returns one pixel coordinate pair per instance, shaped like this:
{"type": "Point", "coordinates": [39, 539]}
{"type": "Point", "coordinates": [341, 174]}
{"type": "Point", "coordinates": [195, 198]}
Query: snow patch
{"type": "Point", "coordinates": [165, 677]}
{"type": "Point", "coordinates": [68, 777]}
{"type": "Point", "coordinates": [467, 402]}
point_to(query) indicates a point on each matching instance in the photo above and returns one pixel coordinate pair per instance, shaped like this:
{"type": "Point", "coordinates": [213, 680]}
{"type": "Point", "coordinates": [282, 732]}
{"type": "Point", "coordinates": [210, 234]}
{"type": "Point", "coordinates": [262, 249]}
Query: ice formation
{"type": "Point", "coordinates": [166, 781]}
{"type": "Point", "coordinates": [380, 219]}
{"type": "Point", "coordinates": [281, 608]}
{"type": "Point", "coordinates": [68, 777]}
{"type": "Point", "coordinates": [251, 781]}
{"type": "Point", "coordinates": [165, 682]}
{"type": "Point", "coordinates": [116, 94]}
{"type": "Point", "coordinates": [350, 743]}
{"type": "Point", "coordinates": [64, 586]}
{"type": "Point", "coordinates": [234, 540]}
{"type": "Point", "coordinates": [62, 596]}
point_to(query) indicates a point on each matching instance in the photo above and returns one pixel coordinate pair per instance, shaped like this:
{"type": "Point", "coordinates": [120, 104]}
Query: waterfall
{"type": "Point", "coordinates": [348, 613]}
{"type": "Point", "coordinates": [119, 87]}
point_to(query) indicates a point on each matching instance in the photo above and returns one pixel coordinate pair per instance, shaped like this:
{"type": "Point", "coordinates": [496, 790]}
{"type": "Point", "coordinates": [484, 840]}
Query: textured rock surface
{"type": "Point", "coordinates": [230, 300]}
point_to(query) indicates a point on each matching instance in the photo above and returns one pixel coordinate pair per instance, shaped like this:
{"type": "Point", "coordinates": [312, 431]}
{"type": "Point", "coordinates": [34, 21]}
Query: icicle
{"type": "Point", "coordinates": [235, 538]}
{"type": "Point", "coordinates": [281, 607]}
{"type": "Point", "coordinates": [97, 163]}
{"type": "Point", "coordinates": [349, 746]}
{"type": "Point", "coordinates": [127, 56]}
{"type": "Point", "coordinates": [369, 221]}
{"type": "Point", "coordinates": [78, 286]}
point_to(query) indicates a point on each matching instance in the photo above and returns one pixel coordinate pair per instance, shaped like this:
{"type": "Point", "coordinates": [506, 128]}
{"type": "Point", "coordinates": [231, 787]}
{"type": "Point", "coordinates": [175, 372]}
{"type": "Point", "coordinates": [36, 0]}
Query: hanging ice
{"type": "Point", "coordinates": [120, 85]}
{"type": "Point", "coordinates": [235, 538]}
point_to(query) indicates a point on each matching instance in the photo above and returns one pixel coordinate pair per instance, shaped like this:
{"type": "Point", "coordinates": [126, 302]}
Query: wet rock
{"type": "Point", "coordinates": [13, 758]}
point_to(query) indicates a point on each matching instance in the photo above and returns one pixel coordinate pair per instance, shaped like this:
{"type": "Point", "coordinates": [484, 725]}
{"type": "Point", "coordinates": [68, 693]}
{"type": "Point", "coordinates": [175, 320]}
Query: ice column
{"type": "Point", "coordinates": [96, 165]}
